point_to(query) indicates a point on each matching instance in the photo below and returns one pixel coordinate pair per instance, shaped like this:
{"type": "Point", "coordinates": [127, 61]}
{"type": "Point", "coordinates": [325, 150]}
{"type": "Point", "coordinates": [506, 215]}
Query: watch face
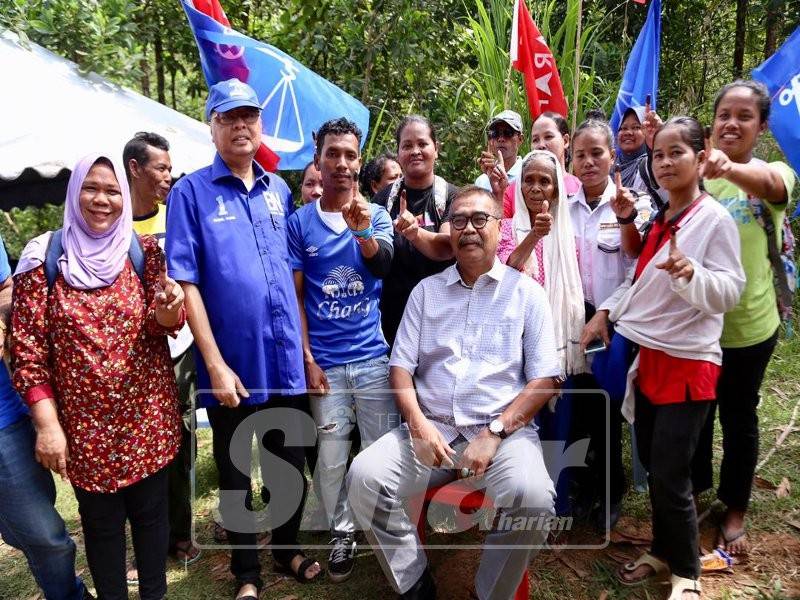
{"type": "Point", "coordinates": [496, 427]}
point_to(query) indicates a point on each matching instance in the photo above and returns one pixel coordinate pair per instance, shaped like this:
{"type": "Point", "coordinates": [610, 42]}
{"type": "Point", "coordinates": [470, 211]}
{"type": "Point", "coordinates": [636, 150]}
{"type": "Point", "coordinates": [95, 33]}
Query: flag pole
{"type": "Point", "coordinates": [576, 82]}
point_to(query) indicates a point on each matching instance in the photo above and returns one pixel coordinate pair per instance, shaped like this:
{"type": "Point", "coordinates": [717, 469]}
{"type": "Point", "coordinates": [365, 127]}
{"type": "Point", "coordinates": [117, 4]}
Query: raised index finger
{"type": "Point", "coordinates": [618, 179]}
{"type": "Point", "coordinates": [647, 105]}
{"type": "Point", "coordinates": [673, 239]}
{"type": "Point", "coordinates": [403, 202]}
{"type": "Point", "coordinates": [709, 143]}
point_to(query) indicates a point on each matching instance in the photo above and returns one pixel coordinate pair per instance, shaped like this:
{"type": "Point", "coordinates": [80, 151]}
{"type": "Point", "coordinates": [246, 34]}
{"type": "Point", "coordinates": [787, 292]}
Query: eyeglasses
{"type": "Point", "coordinates": [494, 133]}
{"type": "Point", "coordinates": [478, 220]}
{"type": "Point", "coordinates": [229, 118]}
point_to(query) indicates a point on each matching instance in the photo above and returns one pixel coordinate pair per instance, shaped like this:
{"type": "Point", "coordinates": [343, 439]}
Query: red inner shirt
{"type": "Point", "coordinates": [662, 378]}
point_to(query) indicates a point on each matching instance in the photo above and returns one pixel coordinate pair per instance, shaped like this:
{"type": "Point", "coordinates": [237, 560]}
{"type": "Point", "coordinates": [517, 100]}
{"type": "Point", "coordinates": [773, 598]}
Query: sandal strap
{"type": "Point", "coordinates": [303, 567]}
{"type": "Point", "coordinates": [658, 565]}
{"type": "Point", "coordinates": [683, 584]}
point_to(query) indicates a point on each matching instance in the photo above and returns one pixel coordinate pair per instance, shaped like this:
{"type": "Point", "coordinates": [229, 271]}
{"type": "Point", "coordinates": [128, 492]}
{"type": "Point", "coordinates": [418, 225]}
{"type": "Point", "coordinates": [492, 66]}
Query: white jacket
{"type": "Point", "coordinates": [683, 318]}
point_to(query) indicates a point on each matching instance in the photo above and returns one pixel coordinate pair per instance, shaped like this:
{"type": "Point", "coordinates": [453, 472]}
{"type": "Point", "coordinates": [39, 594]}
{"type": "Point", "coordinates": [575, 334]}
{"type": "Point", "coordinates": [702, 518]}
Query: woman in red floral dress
{"type": "Point", "coordinates": [91, 360]}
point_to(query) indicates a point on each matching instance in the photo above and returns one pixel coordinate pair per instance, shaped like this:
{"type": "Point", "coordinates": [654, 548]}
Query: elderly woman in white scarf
{"type": "Point", "coordinates": [539, 241]}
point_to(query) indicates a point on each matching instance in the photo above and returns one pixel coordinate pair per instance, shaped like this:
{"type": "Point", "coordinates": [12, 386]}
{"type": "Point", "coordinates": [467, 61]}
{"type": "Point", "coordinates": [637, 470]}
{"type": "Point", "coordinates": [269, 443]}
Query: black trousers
{"type": "Point", "coordinates": [589, 420]}
{"type": "Point", "coordinates": [103, 518]}
{"type": "Point", "coordinates": [180, 507]}
{"type": "Point", "coordinates": [667, 436]}
{"type": "Point", "coordinates": [737, 397]}
{"type": "Point", "coordinates": [285, 485]}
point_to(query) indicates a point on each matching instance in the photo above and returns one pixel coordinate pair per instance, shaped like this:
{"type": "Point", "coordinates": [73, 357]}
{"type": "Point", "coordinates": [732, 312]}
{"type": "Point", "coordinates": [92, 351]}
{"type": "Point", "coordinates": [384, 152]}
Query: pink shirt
{"type": "Point", "coordinates": [507, 244]}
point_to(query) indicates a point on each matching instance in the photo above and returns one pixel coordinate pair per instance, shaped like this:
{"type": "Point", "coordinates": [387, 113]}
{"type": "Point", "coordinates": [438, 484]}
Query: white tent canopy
{"type": "Point", "coordinates": [53, 115]}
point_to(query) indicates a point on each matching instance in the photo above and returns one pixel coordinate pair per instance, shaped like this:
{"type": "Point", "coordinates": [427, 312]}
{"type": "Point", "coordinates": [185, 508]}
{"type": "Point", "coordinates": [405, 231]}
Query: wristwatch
{"type": "Point", "coordinates": [497, 428]}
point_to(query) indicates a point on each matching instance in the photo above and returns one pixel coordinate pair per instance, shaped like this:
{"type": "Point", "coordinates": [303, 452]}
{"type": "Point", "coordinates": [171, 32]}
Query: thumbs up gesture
{"type": "Point", "coordinates": [406, 224]}
{"type": "Point", "coordinates": [716, 164]}
{"type": "Point", "coordinates": [168, 299]}
{"type": "Point", "coordinates": [623, 203]}
{"type": "Point", "coordinates": [543, 221]}
{"type": "Point", "coordinates": [356, 211]}
{"type": "Point", "coordinates": [677, 265]}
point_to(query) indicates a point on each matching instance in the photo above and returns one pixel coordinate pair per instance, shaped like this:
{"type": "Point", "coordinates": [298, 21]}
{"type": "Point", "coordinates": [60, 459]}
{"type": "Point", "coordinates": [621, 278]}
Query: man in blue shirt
{"type": "Point", "coordinates": [226, 244]}
{"type": "Point", "coordinates": [340, 248]}
{"type": "Point", "coordinates": [28, 518]}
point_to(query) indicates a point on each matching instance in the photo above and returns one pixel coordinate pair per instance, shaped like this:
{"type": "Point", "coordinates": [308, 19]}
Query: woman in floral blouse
{"type": "Point", "coordinates": [91, 360]}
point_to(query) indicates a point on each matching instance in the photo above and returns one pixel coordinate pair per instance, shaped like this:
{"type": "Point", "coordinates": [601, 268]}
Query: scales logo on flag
{"type": "Point", "coordinates": [295, 101]}
{"type": "Point", "coordinates": [789, 94]}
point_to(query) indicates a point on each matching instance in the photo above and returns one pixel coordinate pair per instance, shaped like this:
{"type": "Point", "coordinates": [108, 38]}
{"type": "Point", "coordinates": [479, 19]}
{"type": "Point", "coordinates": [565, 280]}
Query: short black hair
{"type": "Point", "coordinates": [136, 148]}
{"type": "Point", "coordinates": [560, 121]}
{"type": "Point", "coordinates": [340, 126]}
{"type": "Point", "coordinates": [305, 170]}
{"type": "Point", "coordinates": [759, 90]}
{"type": "Point", "coordinates": [595, 125]}
{"type": "Point", "coordinates": [690, 129]}
{"type": "Point", "coordinates": [372, 172]}
{"type": "Point", "coordinates": [598, 114]}
{"type": "Point", "coordinates": [469, 190]}
{"type": "Point", "coordinates": [414, 119]}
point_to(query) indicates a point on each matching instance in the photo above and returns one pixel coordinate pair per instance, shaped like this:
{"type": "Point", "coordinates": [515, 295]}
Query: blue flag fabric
{"type": "Point", "coordinates": [781, 74]}
{"type": "Point", "coordinates": [641, 71]}
{"type": "Point", "coordinates": [295, 100]}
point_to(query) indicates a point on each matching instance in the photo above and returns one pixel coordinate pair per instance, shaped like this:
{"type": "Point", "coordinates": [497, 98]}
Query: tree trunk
{"type": "Point", "coordinates": [145, 68]}
{"type": "Point", "coordinates": [741, 32]}
{"type": "Point", "coordinates": [772, 26]}
{"type": "Point", "coordinates": [160, 83]}
{"type": "Point", "coordinates": [172, 88]}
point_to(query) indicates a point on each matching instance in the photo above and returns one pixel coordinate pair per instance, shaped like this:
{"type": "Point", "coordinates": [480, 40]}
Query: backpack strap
{"type": "Point", "coordinates": [440, 196]}
{"type": "Point", "coordinates": [764, 218]}
{"type": "Point", "coordinates": [136, 254]}
{"type": "Point", "coordinates": [55, 249]}
{"type": "Point", "coordinates": [51, 255]}
{"type": "Point", "coordinates": [394, 193]}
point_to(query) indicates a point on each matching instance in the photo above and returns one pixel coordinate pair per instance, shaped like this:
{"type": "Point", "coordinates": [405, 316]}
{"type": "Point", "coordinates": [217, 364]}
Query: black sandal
{"type": "Point", "coordinates": [302, 569]}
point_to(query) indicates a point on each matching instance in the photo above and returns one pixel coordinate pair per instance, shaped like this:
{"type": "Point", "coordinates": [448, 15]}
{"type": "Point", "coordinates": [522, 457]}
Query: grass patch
{"type": "Point", "coordinates": [772, 576]}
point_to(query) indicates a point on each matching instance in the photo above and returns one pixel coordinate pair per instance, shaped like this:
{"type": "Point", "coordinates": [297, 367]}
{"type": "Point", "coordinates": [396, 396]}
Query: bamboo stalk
{"type": "Point", "coordinates": [577, 79]}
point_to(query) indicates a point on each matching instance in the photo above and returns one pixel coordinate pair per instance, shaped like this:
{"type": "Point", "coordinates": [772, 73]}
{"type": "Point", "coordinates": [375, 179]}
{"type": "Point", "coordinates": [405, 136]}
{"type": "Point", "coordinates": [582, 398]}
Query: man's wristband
{"type": "Point", "coordinates": [364, 234]}
{"type": "Point", "coordinates": [629, 219]}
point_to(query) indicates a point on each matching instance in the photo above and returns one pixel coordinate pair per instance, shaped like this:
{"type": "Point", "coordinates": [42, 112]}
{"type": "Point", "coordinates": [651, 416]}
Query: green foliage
{"type": "Point", "coordinates": [446, 59]}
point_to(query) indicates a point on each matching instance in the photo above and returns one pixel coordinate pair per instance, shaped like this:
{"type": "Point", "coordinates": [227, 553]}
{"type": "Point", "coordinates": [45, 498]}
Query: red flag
{"type": "Point", "coordinates": [264, 156]}
{"type": "Point", "coordinates": [531, 57]}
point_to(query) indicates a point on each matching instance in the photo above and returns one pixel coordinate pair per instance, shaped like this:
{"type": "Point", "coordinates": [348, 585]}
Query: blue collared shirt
{"type": "Point", "coordinates": [232, 245]}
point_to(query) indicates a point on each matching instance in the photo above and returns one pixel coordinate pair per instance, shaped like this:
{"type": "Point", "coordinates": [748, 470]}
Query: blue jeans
{"type": "Point", "coordinates": [28, 518]}
{"type": "Point", "coordinates": [359, 395]}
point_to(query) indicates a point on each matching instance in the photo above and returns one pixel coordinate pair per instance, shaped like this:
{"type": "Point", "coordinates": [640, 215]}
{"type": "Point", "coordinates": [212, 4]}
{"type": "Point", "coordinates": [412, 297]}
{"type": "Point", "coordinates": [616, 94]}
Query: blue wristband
{"type": "Point", "coordinates": [364, 234]}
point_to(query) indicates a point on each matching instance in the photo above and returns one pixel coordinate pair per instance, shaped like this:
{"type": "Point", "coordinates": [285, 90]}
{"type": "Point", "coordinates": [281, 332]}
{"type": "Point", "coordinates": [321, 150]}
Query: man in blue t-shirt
{"type": "Point", "coordinates": [340, 247]}
{"type": "Point", "coordinates": [28, 518]}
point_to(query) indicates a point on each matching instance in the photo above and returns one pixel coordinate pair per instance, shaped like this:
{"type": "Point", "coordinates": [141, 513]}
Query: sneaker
{"type": "Point", "coordinates": [342, 558]}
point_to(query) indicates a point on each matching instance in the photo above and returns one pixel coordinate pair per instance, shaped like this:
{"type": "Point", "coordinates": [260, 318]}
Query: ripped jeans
{"type": "Point", "coordinates": [359, 395]}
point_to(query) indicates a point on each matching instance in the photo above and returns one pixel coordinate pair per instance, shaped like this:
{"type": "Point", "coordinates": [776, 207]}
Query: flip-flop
{"type": "Point", "coordinates": [729, 538]}
{"type": "Point", "coordinates": [682, 584]}
{"type": "Point", "coordinates": [300, 574]}
{"type": "Point", "coordinates": [660, 569]}
{"type": "Point", "coordinates": [183, 551]}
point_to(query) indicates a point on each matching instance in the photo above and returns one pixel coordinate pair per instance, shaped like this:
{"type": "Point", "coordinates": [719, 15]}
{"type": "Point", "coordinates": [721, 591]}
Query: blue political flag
{"type": "Point", "coordinates": [641, 71]}
{"type": "Point", "coordinates": [781, 74]}
{"type": "Point", "coordinates": [295, 101]}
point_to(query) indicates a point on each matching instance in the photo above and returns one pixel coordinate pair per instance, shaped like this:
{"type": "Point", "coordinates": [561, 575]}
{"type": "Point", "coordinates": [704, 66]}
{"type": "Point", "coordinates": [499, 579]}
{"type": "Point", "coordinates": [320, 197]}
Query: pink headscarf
{"type": "Point", "coordinates": [91, 260]}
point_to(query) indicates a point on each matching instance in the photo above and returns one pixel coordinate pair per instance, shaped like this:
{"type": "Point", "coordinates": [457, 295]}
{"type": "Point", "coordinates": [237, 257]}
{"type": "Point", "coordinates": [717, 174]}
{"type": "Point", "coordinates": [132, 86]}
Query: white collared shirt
{"type": "Point", "coordinates": [602, 263]}
{"type": "Point", "coordinates": [472, 350]}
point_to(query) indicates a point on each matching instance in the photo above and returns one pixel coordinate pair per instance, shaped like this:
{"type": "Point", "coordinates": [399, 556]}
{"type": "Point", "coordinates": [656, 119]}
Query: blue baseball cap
{"type": "Point", "coordinates": [230, 94]}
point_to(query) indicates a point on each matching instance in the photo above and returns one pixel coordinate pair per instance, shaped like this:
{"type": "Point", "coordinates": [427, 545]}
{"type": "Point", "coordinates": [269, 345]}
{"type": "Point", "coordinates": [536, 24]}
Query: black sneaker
{"type": "Point", "coordinates": [342, 558]}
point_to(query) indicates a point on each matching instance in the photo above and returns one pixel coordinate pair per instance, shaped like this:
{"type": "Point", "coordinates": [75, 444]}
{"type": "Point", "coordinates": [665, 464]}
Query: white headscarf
{"type": "Point", "coordinates": [562, 280]}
